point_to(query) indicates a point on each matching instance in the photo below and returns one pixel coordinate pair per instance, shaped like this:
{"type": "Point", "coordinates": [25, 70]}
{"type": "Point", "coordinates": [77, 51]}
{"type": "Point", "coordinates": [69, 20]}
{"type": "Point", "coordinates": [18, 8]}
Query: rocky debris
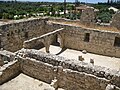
{"type": "Point", "coordinates": [1, 49]}
{"type": "Point", "coordinates": [111, 87]}
{"type": "Point", "coordinates": [84, 51]}
{"type": "Point", "coordinates": [54, 83]}
{"type": "Point", "coordinates": [92, 61]}
{"type": "Point", "coordinates": [80, 58]}
{"type": "Point", "coordinates": [5, 62]}
{"type": "Point", "coordinates": [5, 57]}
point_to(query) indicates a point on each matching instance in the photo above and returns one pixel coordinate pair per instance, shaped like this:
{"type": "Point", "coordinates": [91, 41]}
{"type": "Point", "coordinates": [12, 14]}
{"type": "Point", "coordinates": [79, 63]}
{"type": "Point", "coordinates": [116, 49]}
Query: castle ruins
{"type": "Point", "coordinates": [21, 40]}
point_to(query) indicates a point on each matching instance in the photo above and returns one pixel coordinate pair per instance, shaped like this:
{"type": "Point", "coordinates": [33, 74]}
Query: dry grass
{"type": "Point", "coordinates": [92, 26]}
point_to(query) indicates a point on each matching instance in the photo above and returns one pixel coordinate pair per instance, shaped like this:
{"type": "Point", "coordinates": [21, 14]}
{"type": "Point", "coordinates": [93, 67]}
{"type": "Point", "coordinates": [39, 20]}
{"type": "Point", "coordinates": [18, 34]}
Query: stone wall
{"type": "Point", "coordinates": [14, 33]}
{"type": "Point", "coordinates": [100, 41]}
{"type": "Point", "coordinates": [70, 74]}
{"type": "Point", "coordinates": [5, 57]}
{"type": "Point", "coordinates": [88, 15]}
{"type": "Point", "coordinates": [9, 71]}
{"type": "Point", "coordinates": [46, 39]}
{"type": "Point", "coordinates": [39, 70]}
{"type": "Point", "coordinates": [116, 20]}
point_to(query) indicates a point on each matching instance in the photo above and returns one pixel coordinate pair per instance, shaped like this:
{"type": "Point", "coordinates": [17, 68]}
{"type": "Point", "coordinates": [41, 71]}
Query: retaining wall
{"type": "Point", "coordinates": [70, 74]}
{"type": "Point", "coordinates": [9, 71]}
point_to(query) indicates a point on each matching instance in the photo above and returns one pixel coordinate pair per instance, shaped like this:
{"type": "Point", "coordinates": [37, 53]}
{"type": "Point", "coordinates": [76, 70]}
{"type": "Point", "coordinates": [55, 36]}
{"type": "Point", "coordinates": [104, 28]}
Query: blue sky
{"type": "Point", "coordinates": [90, 1]}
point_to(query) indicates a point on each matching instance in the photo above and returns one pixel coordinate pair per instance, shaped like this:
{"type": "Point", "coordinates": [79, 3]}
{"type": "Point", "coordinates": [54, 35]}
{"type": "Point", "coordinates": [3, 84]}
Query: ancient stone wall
{"type": "Point", "coordinates": [70, 74]}
{"type": "Point", "coordinates": [100, 41]}
{"type": "Point", "coordinates": [93, 40]}
{"type": "Point", "coordinates": [46, 39]}
{"type": "Point", "coordinates": [116, 20]}
{"type": "Point", "coordinates": [14, 33]}
{"type": "Point", "coordinates": [9, 71]}
{"type": "Point", "coordinates": [88, 15]}
{"type": "Point", "coordinates": [5, 57]}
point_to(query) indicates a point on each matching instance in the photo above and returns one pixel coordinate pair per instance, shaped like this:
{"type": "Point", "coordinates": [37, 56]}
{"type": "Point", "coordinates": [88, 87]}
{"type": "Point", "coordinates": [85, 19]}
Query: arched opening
{"type": "Point", "coordinates": [57, 41]}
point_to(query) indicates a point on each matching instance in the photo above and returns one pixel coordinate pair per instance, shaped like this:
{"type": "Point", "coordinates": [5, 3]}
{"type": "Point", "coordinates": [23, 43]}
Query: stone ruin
{"type": "Point", "coordinates": [116, 20]}
{"type": "Point", "coordinates": [88, 15]}
{"type": "Point", "coordinates": [58, 71]}
{"type": "Point", "coordinates": [67, 74]}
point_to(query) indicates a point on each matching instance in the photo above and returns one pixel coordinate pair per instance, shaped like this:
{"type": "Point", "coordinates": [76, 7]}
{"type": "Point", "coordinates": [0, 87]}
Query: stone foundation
{"type": "Point", "coordinates": [69, 74]}
{"type": "Point", "coordinates": [9, 71]}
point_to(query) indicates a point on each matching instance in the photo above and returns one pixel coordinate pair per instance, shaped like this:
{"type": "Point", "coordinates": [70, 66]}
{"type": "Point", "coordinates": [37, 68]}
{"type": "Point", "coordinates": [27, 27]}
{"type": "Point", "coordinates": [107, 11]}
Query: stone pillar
{"type": "Point", "coordinates": [47, 45]}
{"type": "Point", "coordinates": [47, 40]}
{"type": "Point", "coordinates": [47, 48]}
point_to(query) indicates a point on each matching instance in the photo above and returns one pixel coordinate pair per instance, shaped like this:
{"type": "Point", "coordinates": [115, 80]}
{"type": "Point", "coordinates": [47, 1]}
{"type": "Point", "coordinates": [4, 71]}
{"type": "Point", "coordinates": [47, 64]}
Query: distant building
{"type": "Point", "coordinates": [113, 8]}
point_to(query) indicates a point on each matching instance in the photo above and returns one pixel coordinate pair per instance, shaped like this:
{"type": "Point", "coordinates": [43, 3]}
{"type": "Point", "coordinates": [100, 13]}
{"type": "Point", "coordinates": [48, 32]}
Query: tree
{"type": "Point", "coordinates": [108, 1]}
{"type": "Point", "coordinates": [65, 8]}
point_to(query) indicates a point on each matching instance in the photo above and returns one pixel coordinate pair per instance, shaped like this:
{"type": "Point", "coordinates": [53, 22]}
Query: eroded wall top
{"type": "Point", "coordinates": [116, 20]}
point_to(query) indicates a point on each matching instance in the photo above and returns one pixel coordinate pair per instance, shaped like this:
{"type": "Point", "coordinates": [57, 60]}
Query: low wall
{"type": "Point", "coordinates": [70, 74]}
{"type": "Point", "coordinates": [6, 56]}
{"type": "Point", "coordinates": [9, 71]}
{"type": "Point", "coordinates": [37, 69]}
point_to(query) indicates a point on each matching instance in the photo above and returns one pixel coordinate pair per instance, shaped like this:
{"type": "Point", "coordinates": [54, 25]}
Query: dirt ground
{"type": "Point", "coordinates": [24, 82]}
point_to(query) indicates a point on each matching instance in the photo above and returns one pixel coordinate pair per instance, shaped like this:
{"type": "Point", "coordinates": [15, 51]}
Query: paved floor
{"type": "Point", "coordinates": [24, 82]}
{"type": "Point", "coordinates": [105, 61]}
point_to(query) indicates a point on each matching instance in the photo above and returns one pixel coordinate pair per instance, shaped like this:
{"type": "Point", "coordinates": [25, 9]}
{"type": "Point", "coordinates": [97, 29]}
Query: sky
{"type": "Point", "coordinates": [88, 1]}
